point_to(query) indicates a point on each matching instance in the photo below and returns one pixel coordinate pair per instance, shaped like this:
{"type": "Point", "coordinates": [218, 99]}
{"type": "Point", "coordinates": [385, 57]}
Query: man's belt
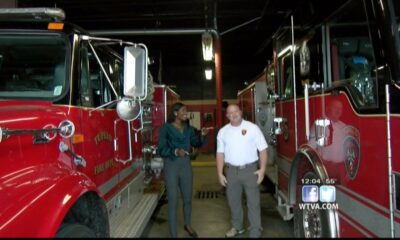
{"type": "Point", "coordinates": [242, 166]}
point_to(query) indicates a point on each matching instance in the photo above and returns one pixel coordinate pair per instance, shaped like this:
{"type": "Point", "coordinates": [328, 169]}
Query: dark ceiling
{"type": "Point", "coordinates": [245, 29]}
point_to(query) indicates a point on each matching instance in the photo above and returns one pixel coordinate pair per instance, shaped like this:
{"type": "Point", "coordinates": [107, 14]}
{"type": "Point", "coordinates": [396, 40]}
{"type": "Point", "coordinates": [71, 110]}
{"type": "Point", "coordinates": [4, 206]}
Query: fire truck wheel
{"type": "Point", "coordinates": [309, 222]}
{"type": "Point", "coordinates": [75, 230]}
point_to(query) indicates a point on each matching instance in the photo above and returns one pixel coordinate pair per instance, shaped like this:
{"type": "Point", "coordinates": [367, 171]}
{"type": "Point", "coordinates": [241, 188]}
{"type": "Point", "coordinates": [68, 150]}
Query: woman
{"type": "Point", "coordinates": [175, 141]}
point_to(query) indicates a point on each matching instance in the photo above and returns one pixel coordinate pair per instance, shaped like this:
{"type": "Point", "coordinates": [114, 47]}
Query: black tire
{"type": "Point", "coordinates": [75, 230]}
{"type": "Point", "coordinates": [312, 223]}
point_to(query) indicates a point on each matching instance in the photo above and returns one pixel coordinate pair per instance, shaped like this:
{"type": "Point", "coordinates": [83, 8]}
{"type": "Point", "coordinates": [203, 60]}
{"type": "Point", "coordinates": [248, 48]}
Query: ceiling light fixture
{"type": "Point", "coordinates": [207, 43]}
{"type": "Point", "coordinates": [208, 72]}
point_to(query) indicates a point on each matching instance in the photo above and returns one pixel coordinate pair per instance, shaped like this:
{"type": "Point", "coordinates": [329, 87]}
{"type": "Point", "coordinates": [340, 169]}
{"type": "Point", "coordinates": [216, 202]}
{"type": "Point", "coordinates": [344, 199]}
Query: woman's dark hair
{"type": "Point", "coordinates": [174, 110]}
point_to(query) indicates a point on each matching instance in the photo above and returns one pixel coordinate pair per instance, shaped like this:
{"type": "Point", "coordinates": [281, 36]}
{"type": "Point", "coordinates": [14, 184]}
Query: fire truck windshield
{"type": "Point", "coordinates": [32, 66]}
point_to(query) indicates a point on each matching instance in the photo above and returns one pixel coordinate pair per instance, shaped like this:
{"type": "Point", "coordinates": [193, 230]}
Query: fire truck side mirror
{"type": "Point", "coordinates": [135, 71]}
{"type": "Point", "coordinates": [128, 109]}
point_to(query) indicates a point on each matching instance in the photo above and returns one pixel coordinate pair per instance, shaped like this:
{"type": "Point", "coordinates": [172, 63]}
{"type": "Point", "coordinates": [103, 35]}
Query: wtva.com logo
{"type": "Point", "coordinates": [318, 197]}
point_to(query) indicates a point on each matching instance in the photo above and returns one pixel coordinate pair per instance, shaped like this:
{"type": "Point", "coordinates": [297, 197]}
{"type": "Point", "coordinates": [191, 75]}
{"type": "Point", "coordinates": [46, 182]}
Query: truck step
{"type": "Point", "coordinates": [285, 212]}
{"type": "Point", "coordinates": [283, 208]}
{"type": "Point", "coordinates": [136, 221]}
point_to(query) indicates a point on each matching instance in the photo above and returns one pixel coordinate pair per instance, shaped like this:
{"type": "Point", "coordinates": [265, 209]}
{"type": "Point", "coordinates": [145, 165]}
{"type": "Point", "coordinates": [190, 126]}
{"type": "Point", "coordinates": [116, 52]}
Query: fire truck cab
{"type": "Point", "coordinates": [75, 117]}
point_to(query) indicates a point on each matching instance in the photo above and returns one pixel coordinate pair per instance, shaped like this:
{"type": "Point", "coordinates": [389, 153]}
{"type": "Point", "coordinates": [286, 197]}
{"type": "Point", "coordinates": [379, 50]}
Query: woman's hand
{"type": "Point", "coordinates": [205, 130]}
{"type": "Point", "coordinates": [181, 152]}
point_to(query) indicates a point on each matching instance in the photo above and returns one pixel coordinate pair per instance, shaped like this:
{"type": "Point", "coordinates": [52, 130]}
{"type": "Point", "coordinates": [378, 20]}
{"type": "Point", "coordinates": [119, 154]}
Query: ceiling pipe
{"type": "Point", "coordinates": [152, 32]}
{"type": "Point", "coordinates": [263, 13]}
{"type": "Point", "coordinates": [241, 25]}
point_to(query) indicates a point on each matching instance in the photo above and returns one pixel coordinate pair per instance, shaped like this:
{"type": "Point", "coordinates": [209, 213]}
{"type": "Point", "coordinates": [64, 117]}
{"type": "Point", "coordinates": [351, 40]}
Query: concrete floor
{"type": "Point", "coordinates": [210, 211]}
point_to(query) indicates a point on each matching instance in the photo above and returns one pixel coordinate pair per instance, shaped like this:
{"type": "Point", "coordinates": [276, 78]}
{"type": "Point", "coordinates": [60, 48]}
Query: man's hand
{"type": "Point", "coordinates": [263, 165]}
{"type": "Point", "coordinates": [222, 180]}
{"type": "Point", "coordinates": [260, 175]}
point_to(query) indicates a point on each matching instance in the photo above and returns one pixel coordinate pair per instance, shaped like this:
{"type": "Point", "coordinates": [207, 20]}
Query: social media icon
{"type": "Point", "coordinates": [327, 193]}
{"type": "Point", "coordinates": [310, 193]}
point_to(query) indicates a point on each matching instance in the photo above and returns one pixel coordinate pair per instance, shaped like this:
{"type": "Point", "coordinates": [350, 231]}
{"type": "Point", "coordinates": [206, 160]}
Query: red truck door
{"type": "Point", "coordinates": [107, 138]}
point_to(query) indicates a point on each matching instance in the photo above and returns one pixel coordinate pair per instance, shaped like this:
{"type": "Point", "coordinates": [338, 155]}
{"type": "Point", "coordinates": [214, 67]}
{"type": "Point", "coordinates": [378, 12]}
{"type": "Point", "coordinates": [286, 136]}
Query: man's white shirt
{"type": "Point", "coordinates": [239, 144]}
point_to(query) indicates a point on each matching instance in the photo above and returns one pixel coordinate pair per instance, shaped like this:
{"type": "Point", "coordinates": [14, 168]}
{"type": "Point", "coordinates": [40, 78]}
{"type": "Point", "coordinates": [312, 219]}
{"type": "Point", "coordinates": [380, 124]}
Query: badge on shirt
{"type": "Point", "coordinates": [244, 131]}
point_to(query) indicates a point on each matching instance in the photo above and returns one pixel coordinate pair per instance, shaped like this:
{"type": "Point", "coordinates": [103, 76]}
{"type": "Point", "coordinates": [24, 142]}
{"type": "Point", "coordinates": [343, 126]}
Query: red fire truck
{"type": "Point", "coordinates": [163, 97]}
{"type": "Point", "coordinates": [75, 130]}
{"type": "Point", "coordinates": [258, 107]}
{"type": "Point", "coordinates": [336, 121]}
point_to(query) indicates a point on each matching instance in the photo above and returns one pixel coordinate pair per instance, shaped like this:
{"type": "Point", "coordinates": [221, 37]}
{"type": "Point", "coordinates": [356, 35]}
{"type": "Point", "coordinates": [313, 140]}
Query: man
{"type": "Point", "coordinates": [241, 145]}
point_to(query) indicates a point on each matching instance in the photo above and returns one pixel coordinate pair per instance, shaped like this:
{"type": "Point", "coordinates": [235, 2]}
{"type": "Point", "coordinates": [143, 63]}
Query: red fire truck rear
{"type": "Point", "coordinates": [75, 130]}
{"type": "Point", "coordinates": [164, 97]}
{"type": "Point", "coordinates": [336, 121]}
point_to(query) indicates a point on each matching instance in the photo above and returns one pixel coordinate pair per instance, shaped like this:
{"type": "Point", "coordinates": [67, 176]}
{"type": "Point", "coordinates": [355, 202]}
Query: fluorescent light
{"type": "Point", "coordinates": [207, 43]}
{"type": "Point", "coordinates": [208, 73]}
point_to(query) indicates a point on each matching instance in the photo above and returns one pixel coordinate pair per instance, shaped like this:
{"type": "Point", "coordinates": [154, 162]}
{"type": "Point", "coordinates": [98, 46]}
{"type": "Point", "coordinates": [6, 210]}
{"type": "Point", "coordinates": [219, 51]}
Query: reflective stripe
{"type": "Point", "coordinates": [128, 171]}
{"type": "Point", "coordinates": [344, 218]}
{"type": "Point", "coordinates": [107, 186]}
{"type": "Point", "coordinates": [112, 182]}
{"type": "Point", "coordinates": [364, 215]}
{"type": "Point", "coordinates": [374, 204]}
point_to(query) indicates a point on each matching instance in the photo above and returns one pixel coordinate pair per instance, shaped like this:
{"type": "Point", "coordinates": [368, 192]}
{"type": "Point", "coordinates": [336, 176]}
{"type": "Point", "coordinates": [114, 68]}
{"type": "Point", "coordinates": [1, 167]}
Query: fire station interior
{"type": "Point", "coordinates": [173, 31]}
